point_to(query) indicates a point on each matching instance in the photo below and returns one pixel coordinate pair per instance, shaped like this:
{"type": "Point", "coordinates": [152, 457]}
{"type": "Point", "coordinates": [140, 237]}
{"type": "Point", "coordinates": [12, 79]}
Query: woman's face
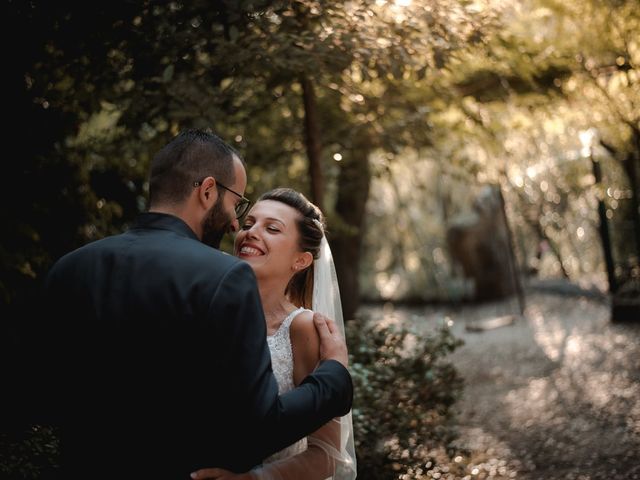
{"type": "Point", "coordinates": [269, 241]}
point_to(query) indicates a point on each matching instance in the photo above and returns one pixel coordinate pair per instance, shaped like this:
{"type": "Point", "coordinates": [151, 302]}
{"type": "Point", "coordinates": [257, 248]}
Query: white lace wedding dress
{"type": "Point", "coordinates": [282, 362]}
{"type": "Point", "coordinates": [333, 444]}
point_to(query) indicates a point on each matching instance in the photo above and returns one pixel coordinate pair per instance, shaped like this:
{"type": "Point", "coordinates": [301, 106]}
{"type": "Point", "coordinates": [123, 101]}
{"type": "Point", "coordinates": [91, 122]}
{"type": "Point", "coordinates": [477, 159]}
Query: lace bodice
{"type": "Point", "coordinates": [282, 362]}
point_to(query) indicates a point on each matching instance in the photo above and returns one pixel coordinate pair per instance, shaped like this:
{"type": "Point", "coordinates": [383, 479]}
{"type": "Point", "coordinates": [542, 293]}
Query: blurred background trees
{"type": "Point", "coordinates": [393, 115]}
{"type": "Point", "coordinates": [390, 115]}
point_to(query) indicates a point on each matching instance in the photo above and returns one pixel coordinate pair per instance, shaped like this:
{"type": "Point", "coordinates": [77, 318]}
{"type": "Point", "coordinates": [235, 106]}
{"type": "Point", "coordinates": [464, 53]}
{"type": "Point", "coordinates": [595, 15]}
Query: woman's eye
{"type": "Point", "coordinates": [246, 226]}
{"type": "Point", "coordinates": [271, 228]}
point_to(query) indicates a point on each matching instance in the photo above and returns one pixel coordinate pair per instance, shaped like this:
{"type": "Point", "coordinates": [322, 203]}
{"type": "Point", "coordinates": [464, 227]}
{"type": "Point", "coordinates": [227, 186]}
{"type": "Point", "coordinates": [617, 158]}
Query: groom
{"type": "Point", "coordinates": [156, 364]}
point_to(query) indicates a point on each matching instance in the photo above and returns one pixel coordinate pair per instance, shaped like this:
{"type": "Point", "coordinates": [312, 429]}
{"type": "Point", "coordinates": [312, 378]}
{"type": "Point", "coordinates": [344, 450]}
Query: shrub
{"type": "Point", "coordinates": [29, 454]}
{"type": "Point", "coordinates": [404, 392]}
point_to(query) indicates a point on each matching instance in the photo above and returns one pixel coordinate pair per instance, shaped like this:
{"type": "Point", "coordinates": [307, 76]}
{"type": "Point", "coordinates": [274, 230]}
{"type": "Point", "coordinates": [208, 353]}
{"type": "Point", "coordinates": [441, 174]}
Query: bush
{"type": "Point", "coordinates": [404, 392]}
{"type": "Point", "coordinates": [29, 454]}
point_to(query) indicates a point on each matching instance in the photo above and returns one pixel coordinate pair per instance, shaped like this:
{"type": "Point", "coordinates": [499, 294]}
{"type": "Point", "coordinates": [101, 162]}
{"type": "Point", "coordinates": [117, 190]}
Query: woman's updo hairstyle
{"type": "Point", "coordinates": [311, 226]}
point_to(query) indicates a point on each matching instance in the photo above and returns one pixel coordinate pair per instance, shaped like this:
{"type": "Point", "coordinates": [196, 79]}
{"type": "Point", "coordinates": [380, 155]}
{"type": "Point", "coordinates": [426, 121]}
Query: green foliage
{"type": "Point", "coordinates": [30, 454]}
{"type": "Point", "coordinates": [405, 390]}
{"type": "Point", "coordinates": [104, 86]}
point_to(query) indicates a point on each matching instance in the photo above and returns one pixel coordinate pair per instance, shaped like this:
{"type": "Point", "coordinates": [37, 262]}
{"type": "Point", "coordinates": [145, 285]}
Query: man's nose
{"type": "Point", "coordinates": [235, 225]}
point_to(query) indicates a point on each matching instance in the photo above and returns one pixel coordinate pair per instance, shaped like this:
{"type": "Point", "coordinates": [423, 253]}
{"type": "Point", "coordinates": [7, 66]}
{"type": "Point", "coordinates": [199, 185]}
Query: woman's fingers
{"type": "Point", "coordinates": [209, 473]}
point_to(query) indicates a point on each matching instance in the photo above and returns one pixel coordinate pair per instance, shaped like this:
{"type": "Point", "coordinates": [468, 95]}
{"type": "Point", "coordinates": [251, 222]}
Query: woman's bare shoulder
{"type": "Point", "coordinates": [303, 327]}
{"type": "Point", "coordinates": [305, 342]}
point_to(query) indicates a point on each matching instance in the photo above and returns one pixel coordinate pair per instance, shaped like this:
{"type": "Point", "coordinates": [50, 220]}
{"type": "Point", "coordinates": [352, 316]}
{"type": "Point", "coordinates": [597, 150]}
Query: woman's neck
{"type": "Point", "coordinates": [275, 304]}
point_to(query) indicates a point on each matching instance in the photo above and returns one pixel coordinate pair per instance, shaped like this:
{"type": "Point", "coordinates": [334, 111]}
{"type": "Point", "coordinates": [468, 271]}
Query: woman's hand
{"type": "Point", "coordinates": [219, 474]}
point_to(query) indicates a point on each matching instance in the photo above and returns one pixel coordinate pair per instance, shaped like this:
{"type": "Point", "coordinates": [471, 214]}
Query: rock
{"type": "Point", "coordinates": [490, 323]}
{"type": "Point", "coordinates": [479, 242]}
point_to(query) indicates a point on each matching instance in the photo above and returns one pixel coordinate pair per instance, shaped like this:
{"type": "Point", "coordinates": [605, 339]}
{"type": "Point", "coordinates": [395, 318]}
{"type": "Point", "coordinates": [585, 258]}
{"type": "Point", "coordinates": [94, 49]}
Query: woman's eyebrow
{"type": "Point", "coordinates": [272, 219]}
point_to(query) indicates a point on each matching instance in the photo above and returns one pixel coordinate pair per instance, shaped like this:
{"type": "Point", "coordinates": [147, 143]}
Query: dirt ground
{"type": "Point", "coordinates": [554, 395]}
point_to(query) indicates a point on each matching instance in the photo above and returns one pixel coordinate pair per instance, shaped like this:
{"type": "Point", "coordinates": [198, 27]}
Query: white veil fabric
{"type": "Point", "coordinates": [326, 300]}
{"type": "Point", "coordinates": [331, 451]}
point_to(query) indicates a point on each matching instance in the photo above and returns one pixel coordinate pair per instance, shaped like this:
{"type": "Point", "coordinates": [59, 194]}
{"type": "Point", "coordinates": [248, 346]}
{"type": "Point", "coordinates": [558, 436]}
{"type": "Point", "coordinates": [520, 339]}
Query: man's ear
{"type": "Point", "coordinates": [208, 193]}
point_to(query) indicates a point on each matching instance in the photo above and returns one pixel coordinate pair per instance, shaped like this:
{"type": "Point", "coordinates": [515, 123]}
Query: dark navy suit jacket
{"type": "Point", "coordinates": [154, 362]}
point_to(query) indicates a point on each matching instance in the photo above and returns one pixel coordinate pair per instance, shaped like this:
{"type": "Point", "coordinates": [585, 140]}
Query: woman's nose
{"type": "Point", "coordinates": [252, 231]}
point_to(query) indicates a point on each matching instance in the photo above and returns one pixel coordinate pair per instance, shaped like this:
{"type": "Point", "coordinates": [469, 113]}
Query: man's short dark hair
{"type": "Point", "coordinates": [191, 156]}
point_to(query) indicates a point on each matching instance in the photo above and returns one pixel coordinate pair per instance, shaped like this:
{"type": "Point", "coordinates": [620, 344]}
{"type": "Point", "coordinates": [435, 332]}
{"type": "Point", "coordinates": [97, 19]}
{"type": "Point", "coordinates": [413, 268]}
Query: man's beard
{"type": "Point", "coordinates": [215, 225]}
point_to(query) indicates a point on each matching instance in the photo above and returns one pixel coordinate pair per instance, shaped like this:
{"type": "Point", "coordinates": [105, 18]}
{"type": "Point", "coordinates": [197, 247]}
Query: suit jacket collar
{"type": "Point", "coordinates": [164, 221]}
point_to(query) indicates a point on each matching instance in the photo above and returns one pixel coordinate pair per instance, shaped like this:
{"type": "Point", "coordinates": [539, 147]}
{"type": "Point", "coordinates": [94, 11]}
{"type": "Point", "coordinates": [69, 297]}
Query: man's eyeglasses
{"type": "Point", "coordinates": [241, 207]}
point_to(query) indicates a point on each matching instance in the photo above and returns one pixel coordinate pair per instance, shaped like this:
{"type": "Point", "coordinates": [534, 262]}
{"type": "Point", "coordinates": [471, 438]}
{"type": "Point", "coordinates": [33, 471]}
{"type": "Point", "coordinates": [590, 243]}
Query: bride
{"type": "Point", "coordinates": [283, 240]}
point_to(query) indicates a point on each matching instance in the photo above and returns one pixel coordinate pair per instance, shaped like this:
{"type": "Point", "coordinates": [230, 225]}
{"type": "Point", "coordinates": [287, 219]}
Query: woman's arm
{"type": "Point", "coordinates": [260, 421]}
{"type": "Point", "coordinates": [323, 446]}
{"type": "Point", "coordinates": [318, 462]}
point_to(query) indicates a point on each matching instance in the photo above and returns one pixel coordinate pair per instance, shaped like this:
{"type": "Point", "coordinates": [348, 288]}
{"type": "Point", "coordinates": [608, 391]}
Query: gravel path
{"type": "Point", "coordinates": [555, 395]}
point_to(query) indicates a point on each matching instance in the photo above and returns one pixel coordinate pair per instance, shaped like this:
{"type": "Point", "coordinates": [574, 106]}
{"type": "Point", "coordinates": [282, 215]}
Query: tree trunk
{"type": "Point", "coordinates": [630, 167]}
{"type": "Point", "coordinates": [513, 266]}
{"type": "Point", "coordinates": [353, 191]}
{"type": "Point", "coordinates": [632, 171]}
{"type": "Point", "coordinates": [312, 139]}
{"type": "Point", "coordinates": [604, 232]}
